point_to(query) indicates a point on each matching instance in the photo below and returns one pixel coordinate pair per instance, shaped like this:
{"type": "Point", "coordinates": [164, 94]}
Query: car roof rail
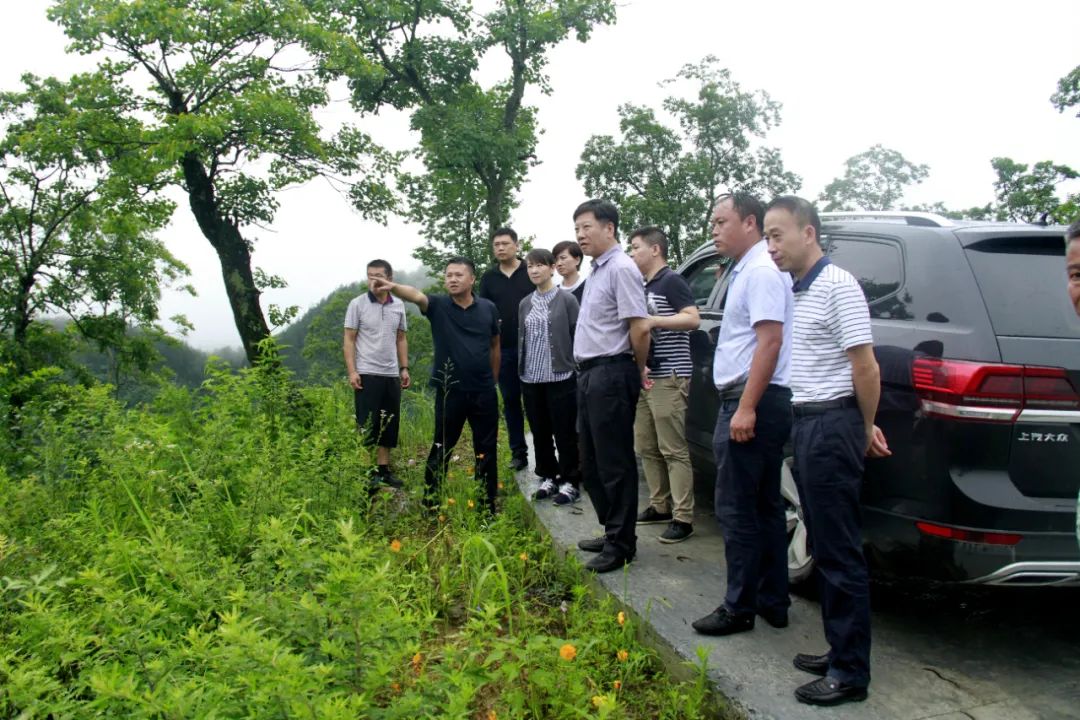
{"type": "Point", "coordinates": [900, 217]}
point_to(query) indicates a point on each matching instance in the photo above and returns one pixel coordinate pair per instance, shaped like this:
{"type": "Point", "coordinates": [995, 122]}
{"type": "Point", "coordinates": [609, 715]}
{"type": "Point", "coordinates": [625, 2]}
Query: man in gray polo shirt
{"type": "Point", "coordinates": [377, 359]}
{"type": "Point", "coordinates": [610, 348]}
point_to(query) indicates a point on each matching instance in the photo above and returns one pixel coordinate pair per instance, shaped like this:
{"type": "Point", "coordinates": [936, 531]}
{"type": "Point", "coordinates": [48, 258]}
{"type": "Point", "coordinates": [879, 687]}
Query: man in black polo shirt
{"type": "Point", "coordinates": [465, 332]}
{"type": "Point", "coordinates": [506, 285]}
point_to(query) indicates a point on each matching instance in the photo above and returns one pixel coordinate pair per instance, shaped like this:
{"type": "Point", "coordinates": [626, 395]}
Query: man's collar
{"type": "Point", "coordinates": [811, 275]}
{"type": "Point", "coordinates": [752, 252]}
{"type": "Point", "coordinates": [607, 254]}
{"type": "Point", "coordinates": [389, 298]}
{"type": "Point", "coordinates": [660, 271]}
{"type": "Point", "coordinates": [499, 269]}
{"type": "Point", "coordinates": [472, 300]}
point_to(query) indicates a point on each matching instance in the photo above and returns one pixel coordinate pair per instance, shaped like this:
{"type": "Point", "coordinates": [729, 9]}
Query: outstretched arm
{"type": "Point", "coordinates": [406, 292]}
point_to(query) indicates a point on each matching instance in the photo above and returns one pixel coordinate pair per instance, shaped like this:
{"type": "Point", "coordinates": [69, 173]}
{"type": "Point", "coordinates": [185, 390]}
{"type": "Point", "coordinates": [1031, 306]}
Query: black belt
{"type": "Point", "coordinates": [817, 408]}
{"type": "Point", "coordinates": [603, 360]}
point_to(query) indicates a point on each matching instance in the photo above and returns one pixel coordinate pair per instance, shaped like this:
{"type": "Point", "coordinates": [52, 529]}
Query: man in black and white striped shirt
{"type": "Point", "coordinates": [835, 385]}
{"type": "Point", "coordinates": [660, 419]}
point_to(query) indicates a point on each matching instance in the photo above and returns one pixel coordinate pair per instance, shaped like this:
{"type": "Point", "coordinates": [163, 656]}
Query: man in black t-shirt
{"type": "Point", "coordinates": [465, 333]}
{"type": "Point", "coordinates": [660, 422]}
{"type": "Point", "coordinates": [506, 285]}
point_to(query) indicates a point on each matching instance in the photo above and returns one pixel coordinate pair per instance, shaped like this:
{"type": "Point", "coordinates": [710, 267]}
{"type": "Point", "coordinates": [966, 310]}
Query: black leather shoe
{"type": "Point", "coordinates": [389, 480]}
{"type": "Point", "coordinates": [519, 462]}
{"type": "Point", "coordinates": [777, 618]}
{"type": "Point", "coordinates": [829, 691]}
{"type": "Point", "coordinates": [606, 562]}
{"type": "Point", "coordinates": [595, 544]}
{"type": "Point", "coordinates": [813, 664]}
{"type": "Point", "coordinates": [722, 622]}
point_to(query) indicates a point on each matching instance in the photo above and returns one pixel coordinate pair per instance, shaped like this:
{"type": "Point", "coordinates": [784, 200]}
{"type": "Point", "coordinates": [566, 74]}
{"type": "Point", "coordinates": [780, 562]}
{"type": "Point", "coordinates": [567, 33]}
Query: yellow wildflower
{"type": "Point", "coordinates": [471, 504]}
{"type": "Point", "coordinates": [617, 684]}
{"type": "Point", "coordinates": [451, 501]}
{"type": "Point", "coordinates": [395, 545]}
{"type": "Point", "coordinates": [622, 655]}
{"type": "Point", "coordinates": [523, 557]}
{"type": "Point", "coordinates": [621, 617]}
{"type": "Point", "coordinates": [568, 652]}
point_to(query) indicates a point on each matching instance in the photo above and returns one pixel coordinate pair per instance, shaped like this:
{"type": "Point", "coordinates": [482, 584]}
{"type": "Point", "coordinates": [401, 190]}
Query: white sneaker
{"type": "Point", "coordinates": [568, 495]}
{"type": "Point", "coordinates": [545, 490]}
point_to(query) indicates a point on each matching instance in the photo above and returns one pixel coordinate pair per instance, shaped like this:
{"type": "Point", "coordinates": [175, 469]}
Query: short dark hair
{"type": "Point", "coordinates": [383, 265]}
{"type": "Point", "coordinates": [652, 235]}
{"type": "Point", "coordinates": [505, 231]}
{"type": "Point", "coordinates": [602, 210]}
{"type": "Point", "coordinates": [459, 260]}
{"type": "Point", "coordinates": [745, 205]}
{"type": "Point", "coordinates": [539, 256]}
{"type": "Point", "coordinates": [803, 210]}
{"type": "Point", "coordinates": [571, 247]}
{"type": "Point", "coordinates": [1073, 233]}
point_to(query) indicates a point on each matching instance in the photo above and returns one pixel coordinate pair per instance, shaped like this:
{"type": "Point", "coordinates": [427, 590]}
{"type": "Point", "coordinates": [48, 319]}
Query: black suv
{"type": "Point", "coordinates": [980, 354]}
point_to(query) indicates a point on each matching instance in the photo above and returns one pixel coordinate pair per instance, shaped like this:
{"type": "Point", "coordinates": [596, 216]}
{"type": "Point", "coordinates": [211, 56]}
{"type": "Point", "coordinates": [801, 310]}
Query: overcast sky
{"type": "Point", "coordinates": [949, 84]}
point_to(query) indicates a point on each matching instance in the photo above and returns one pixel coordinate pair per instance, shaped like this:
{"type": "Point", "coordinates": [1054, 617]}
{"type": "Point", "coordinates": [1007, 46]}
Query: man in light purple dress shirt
{"type": "Point", "coordinates": [610, 349]}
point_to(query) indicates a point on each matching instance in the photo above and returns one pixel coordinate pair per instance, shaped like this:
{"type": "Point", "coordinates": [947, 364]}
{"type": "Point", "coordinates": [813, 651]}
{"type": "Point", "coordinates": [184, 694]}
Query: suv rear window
{"type": "Point", "coordinates": [1023, 284]}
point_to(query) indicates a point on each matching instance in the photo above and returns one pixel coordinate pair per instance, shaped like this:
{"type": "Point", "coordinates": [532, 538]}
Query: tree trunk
{"type": "Point", "coordinates": [233, 254]}
{"type": "Point", "coordinates": [20, 330]}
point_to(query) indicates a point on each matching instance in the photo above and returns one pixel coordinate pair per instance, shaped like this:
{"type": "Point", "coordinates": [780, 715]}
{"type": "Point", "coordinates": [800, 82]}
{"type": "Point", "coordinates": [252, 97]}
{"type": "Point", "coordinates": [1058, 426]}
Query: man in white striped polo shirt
{"type": "Point", "coordinates": [660, 421]}
{"type": "Point", "coordinates": [835, 385]}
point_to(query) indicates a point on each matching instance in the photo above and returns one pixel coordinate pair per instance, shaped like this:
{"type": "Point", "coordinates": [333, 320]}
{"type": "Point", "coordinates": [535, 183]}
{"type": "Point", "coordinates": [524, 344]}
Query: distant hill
{"type": "Point", "coordinates": [319, 329]}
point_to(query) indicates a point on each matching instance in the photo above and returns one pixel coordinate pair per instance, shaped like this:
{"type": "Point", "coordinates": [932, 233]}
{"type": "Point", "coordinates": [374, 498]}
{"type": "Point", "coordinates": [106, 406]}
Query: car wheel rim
{"type": "Point", "coordinates": [800, 561]}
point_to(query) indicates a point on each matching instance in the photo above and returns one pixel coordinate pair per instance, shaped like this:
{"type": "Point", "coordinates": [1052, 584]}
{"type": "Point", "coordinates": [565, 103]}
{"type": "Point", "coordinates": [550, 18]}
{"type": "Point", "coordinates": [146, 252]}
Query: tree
{"type": "Point", "coordinates": [873, 180]}
{"type": "Point", "coordinates": [477, 144]}
{"type": "Point", "coordinates": [647, 175]}
{"type": "Point", "coordinates": [1068, 92]}
{"type": "Point", "coordinates": [478, 147]}
{"type": "Point", "coordinates": [232, 98]}
{"type": "Point", "coordinates": [657, 175]}
{"type": "Point", "coordinates": [978, 212]}
{"type": "Point", "coordinates": [1024, 196]}
{"type": "Point", "coordinates": [474, 165]}
{"type": "Point", "coordinates": [78, 214]}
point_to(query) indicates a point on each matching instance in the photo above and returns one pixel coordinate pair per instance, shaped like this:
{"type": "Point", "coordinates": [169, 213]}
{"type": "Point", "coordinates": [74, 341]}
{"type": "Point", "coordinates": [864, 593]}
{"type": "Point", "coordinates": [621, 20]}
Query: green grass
{"type": "Point", "coordinates": [217, 554]}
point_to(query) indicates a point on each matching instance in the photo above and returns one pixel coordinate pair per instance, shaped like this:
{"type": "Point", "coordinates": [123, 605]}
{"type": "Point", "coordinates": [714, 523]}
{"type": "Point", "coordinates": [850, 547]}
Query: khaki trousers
{"type": "Point", "coordinates": [660, 440]}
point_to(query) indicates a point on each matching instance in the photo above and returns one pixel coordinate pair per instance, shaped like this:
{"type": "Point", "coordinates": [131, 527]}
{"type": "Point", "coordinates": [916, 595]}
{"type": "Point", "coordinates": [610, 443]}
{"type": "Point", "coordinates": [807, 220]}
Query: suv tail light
{"type": "Point", "coordinates": [992, 392]}
{"type": "Point", "coordinates": [976, 536]}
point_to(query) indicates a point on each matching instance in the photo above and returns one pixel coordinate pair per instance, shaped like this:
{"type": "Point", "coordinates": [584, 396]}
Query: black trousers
{"type": "Point", "coordinates": [607, 398]}
{"type": "Point", "coordinates": [510, 389]}
{"type": "Point", "coordinates": [829, 458]}
{"type": "Point", "coordinates": [552, 412]}
{"type": "Point", "coordinates": [378, 409]}
{"type": "Point", "coordinates": [452, 410]}
{"type": "Point", "coordinates": [749, 506]}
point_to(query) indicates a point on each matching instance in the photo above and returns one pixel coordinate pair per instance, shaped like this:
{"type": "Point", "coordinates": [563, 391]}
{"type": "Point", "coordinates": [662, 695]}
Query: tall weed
{"type": "Point", "coordinates": [218, 553]}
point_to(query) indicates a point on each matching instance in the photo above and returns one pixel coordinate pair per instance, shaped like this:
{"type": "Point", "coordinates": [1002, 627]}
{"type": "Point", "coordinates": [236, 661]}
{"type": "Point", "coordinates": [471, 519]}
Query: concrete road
{"type": "Point", "coordinates": [950, 654]}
